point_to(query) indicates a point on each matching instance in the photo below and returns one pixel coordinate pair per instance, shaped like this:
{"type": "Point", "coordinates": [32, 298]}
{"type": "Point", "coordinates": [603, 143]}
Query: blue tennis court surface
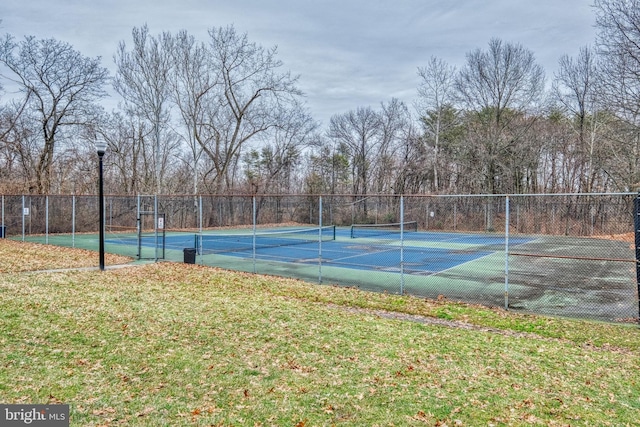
{"type": "Point", "coordinates": [384, 258]}
{"type": "Point", "coordinates": [422, 253]}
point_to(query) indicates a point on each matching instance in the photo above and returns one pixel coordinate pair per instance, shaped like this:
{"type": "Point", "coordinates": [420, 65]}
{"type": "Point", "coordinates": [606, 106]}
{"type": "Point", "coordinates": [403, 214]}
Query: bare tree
{"type": "Point", "coordinates": [143, 80]}
{"type": "Point", "coordinates": [360, 131]}
{"type": "Point", "coordinates": [394, 127]}
{"type": "Point", "coordinates": [436, 94]}
{"type": "Point", "coordinates": [618, 40]}
{"type": "Point", "coordinates": [327, 168]}
{"type": "Point", "coordinates": [411, 162]}
{"type": "Point", "coordinates": [575, 87]}
{"type": "Point", "coordinates": [272, 168]}
{"type": "Point", "coordinates": [60, 87]}
{"type": "Point", "coordinates": [132, 170]}
{"type": "Point", "coordinates": [193, 83]}
{"type": "Point", "coordinates": [499, 85]}
{"type": "Point", "coordinates": [248, 102]}
{"type": "Point", "coordinates": [504, 77]}
{"type": "Point", "coordinates": [19, 144]}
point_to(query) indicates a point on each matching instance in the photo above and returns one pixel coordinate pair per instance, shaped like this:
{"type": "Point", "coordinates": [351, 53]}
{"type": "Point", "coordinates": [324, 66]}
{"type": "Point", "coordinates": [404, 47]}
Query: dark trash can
{"type": "Point", "coordinates": [189, 255]}
{"type": "Point", "coordinates": [3, 231]}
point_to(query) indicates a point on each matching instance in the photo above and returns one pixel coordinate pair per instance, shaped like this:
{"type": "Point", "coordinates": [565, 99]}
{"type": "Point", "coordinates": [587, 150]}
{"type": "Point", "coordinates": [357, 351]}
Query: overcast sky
{"type": "Point", "coordinates": [348, 53]}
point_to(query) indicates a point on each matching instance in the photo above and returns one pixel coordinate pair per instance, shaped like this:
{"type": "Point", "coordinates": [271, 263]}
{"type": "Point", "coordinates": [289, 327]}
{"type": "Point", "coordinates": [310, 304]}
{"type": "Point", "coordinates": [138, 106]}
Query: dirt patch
{"type": "Point", "coordinates": [427, 320]}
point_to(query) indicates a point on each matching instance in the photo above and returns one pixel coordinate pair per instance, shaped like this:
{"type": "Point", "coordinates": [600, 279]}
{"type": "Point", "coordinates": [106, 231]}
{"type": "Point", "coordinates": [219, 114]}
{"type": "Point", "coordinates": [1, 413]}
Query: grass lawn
{"type": "Point", "coordinates": [172, 344]}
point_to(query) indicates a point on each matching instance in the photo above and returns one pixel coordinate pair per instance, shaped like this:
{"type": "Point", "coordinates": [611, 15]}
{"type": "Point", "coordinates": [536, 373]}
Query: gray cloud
{"type": "Point", "coordinates": [348, 53]}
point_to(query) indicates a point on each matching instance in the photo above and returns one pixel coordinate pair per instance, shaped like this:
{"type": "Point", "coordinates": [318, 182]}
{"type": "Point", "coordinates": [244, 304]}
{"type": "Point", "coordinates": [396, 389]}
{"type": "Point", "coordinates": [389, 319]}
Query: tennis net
{"type": "Point", "coordinates": [367, 230]}
{"type": "Point", "coordinates": [233, 242]}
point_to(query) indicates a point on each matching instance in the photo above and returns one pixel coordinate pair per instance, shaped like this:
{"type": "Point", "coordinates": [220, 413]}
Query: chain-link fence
{"type": "Point", "coordinates": [567, 254]}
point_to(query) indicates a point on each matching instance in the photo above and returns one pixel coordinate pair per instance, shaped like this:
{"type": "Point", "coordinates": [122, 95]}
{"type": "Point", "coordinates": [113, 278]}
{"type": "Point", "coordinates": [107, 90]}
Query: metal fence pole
{"type": "Point", "coordinates": [506, 254]}
{"type": "Point", "coordinates": [46, 219]}
{"type": "Point", "coordinates": [426, 221]}
{"type": "Point", "coordinates": [401, 245]}
{"type": "Point", "coordinates": [200, 229]}
{"type": "Point", "coordinates": [138, 226]}
{"type": "Point", "coordinates": [254, 233]}
{"type": "Point", "coordinates": [73, 221]}
{"type": "Point", "coordinates": [455, 216]}
{"type": "Point", "coordinates": [320, 240]}
{"type": "Point", "coordinates": [636, 208]}
{"type": "Point", "coordinates": [23, 220]}
{"type": "Point", "coordinates": [155, 223]}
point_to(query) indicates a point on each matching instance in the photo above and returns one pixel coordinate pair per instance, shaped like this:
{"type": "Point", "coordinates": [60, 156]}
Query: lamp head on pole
{"type": "Point", "coordinates": [101, 147]}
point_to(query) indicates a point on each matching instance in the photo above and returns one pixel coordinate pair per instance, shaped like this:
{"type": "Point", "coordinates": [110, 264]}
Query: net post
{"type": "Point", "coordinates": [636, 223]}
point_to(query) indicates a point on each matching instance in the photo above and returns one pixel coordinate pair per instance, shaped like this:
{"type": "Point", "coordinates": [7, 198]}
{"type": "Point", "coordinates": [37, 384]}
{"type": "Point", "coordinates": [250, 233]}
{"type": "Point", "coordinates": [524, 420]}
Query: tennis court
{"type": "Point", "coordinates": [372, 250]}
{"type": "Point", "coordinates": [553, 275]}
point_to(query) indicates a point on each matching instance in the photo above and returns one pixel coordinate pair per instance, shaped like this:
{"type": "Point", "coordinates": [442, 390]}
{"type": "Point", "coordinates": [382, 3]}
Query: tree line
{"type": "Point", "coordinates": [222, 116]}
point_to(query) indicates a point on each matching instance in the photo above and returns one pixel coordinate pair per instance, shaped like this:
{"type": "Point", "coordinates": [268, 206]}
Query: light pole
{"type": "Point", "coordinates": [101, 147]}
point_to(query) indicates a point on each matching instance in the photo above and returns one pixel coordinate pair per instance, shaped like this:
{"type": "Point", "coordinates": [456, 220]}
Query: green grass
{"type": "Point", "coordinates": [175, 344]}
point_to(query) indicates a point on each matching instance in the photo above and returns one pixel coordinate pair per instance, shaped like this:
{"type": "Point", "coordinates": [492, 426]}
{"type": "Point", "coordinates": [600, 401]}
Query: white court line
{"type": "Point", "coordinates": [463, 263]}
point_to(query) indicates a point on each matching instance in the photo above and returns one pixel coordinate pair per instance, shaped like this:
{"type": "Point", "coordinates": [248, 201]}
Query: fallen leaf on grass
{"type": "Point", "coordinates": [103, 411]}
{"type": "Point", "coordinates": [145, 411]}
{"type": "Point", "coordinates": [423, 417]}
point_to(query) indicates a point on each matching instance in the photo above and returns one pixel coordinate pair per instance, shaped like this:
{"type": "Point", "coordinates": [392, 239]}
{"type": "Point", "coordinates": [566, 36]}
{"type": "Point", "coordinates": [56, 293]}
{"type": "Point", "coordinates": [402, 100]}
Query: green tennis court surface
{"type": "Point", "coordinates": [547, 275]}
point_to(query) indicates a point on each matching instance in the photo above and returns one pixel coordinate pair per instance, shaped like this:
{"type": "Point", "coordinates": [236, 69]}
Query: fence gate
{"type": "Point", "coordinates": [151, 229]}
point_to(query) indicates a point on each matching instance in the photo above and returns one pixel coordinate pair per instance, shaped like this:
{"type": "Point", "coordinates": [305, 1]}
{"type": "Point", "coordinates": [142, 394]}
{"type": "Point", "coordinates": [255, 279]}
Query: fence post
{"type": "Point", "coordinates": [455, 215]}
{"type": "Point", "coordinates": [320, 239]}
{"type": "Point", "coordinates": [200, 221]}
{"type": "Point", "coordinates": [139, 226]}
{"type": "Point", "coordinates": [46, 220]}
{"type": "Point", "coordinates": [73, 221]}
{"type": "Point", "coordinates": [636, 223]}
{"type": "Point", "coordinates": [426, 216]}
{"type": "Point", "coordinates": [23, 219]}
{"type": "Point", "coordinates": [155, 224]}
{"type": "Point", "coordinates": [254, 218]}
{"type": "Point", "coordinates": [401, 245]}
{"type": "Point", "coordinates": [506, 253]}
